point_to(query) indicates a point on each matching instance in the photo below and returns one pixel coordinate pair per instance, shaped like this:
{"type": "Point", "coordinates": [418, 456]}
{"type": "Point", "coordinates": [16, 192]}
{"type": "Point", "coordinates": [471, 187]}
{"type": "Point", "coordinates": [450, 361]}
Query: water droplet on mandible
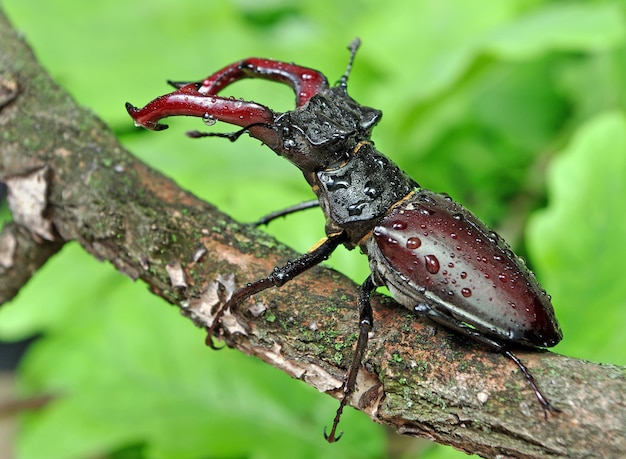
{"type": "Point", "coordinates": [413, 243]}
{"type": "Point", "coordinates": [208, 119]}
{"type": "Point", "coordinates": [432, 264]}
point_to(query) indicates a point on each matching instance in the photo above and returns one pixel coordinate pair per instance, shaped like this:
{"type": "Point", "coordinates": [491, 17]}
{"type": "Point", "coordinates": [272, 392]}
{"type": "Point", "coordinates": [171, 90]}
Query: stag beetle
{"type": "Point", "coordinates": [435, 257]}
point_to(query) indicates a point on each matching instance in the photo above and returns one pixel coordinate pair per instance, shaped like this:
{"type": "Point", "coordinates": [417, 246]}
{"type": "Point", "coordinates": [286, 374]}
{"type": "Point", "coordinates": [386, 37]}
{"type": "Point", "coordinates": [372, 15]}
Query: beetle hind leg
{"type": "Point", "coordinates": [366, 321]}
{"type": "Point", "coordinates": [460, 327]}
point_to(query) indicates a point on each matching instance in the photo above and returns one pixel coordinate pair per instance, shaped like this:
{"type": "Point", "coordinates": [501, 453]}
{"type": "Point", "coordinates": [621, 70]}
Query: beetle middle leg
{"type": "Point", "coordinates": [366, 321]}
{"type": "Point", "coordinates": [287, 211]}
{"type": "Point", "coordinates": [279, 276]}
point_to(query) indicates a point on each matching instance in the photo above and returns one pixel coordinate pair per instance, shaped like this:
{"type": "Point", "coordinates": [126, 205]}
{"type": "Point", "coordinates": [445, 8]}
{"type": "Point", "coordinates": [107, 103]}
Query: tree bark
{"type": "Point", "coordinates": [70, 180]}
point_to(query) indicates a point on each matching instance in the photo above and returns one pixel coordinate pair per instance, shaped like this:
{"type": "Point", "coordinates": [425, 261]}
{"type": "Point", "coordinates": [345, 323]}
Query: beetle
{"type": "Point", "coordinates": [435, 257]}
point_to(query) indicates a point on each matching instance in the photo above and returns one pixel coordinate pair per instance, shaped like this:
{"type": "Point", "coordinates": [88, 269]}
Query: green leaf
{"type": "Point", "coordinates": [560, 26]}
{"type": "Point", "coordinates": [126, 369]}
{"type": "Point", "coordinates": [578, 242]}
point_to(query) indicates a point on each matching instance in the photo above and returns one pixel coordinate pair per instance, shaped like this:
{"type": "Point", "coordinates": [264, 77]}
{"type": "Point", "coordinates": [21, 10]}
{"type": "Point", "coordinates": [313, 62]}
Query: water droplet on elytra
{"type": "Point", "coordinates": [432, 264]}
{"type": "Point", "coordinates": [413, 243]}
{"type": "Point", "coordinates": [503, 277]}
{"type": "Point", "coordinates": [466, 292]}
{"type": "Point", "coordinates": [463, 275]}
{"type": "Point", "coordinates": [425, 199]}
{"type": "Point", "coordinates": [458, 216]}
{"type": "Point", "coordinates": [398, 225]}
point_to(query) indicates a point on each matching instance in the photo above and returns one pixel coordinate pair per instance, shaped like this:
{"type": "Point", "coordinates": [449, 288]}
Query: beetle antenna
{"type": "Point", "coordinates": [353, 47]}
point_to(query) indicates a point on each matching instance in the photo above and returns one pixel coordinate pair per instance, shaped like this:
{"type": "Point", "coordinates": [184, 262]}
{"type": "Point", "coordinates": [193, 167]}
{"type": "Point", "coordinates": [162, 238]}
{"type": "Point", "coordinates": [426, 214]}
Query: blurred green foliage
{"type": "Point", "coordinates": [516, 109]}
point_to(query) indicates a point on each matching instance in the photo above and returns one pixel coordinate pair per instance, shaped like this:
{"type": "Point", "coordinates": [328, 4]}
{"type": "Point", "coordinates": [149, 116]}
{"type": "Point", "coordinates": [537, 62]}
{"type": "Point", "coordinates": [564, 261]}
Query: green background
{"type": "Point", "coordinates": [517, 109]}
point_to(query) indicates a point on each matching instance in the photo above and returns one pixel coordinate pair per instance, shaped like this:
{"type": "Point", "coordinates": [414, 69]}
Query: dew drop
{"type": "Point", "coordinates": [432, 264]}
{"type": "Point", "coordinates": [426, 212]}
{"type": "Point", "coordinates": [371, 192]}
{"type": "Point", "coordinates": [513, 305]}
{"type": "Point", "coordinates": [208, 119]}
{"type": "Point", "coordinates": [356, 209]}
{"type": "Point", "coordinates": [454, 235]}
{"type": "Point", "coordinates": [503, 277]}
{"type": "Point", "coordinates": [398, 225]}
{"type": "Point", "coordinates": [466, 292]}
{"type": "Point", "coordinates": [463, 275]}
{"type": "Point", "coordinates": [458, 216]}
{"type": "Point", "coordinates": [425, 199]}
{"type": "Point", "coordinates": [413, 243]}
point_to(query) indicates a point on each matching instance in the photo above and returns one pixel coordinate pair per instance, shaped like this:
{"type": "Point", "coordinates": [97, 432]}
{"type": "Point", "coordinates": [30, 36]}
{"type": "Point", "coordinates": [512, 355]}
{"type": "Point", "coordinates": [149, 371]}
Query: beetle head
{"type": "Point", "coordinates": [323, 133]}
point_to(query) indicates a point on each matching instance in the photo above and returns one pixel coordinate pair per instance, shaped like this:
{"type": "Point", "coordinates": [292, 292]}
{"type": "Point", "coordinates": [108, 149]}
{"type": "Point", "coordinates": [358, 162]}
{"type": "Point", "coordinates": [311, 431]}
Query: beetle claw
{"type": "Point", "coordinates": [332, 438]}
{"type": "Point", "coordinates": [209, 341]}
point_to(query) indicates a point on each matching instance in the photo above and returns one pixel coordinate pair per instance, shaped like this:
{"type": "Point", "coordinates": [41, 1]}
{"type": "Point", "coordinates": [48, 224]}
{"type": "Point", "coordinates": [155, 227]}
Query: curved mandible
{"type": "Point", "coordinates": [304, 81]}
{"type": "Point", "coordinates": [188, 101]}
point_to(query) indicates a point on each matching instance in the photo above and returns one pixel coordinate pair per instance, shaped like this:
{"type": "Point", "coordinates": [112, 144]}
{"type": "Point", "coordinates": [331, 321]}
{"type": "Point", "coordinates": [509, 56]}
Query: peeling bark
{"type": "Point", "coordinates": [417, 377]}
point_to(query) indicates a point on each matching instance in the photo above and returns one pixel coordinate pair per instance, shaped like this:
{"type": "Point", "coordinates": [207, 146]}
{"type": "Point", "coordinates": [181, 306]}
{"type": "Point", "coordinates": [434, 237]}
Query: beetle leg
{"type": "Point", "coordinates": [458, 326]}
{"type": "Point", "coordinates": [366, 321]}
{"type": "Point", "coordinates": [279, 276]}
{"type": "Point", "coordinates": [289, 210]}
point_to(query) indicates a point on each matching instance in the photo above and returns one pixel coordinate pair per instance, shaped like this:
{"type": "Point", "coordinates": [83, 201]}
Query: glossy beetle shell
{"type": "Point", "coordinates": [430, 247]}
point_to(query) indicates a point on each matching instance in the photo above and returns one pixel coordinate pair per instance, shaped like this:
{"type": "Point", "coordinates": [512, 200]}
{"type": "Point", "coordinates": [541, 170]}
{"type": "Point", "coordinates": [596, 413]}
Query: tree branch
{"type": "Point", "coordinates": [417, 377]}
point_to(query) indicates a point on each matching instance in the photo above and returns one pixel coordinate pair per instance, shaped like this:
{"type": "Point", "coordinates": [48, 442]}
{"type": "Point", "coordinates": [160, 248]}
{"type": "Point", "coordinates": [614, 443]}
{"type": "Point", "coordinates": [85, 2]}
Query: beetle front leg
{"type": "Point", "coordinates": [279, 276]}
{"type": "Point", "coordinates": [366, 321]}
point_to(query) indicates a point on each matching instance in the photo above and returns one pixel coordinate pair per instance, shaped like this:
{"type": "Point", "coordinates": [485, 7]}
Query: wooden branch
{"type": "Point", "coordinates": [417, 377]}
